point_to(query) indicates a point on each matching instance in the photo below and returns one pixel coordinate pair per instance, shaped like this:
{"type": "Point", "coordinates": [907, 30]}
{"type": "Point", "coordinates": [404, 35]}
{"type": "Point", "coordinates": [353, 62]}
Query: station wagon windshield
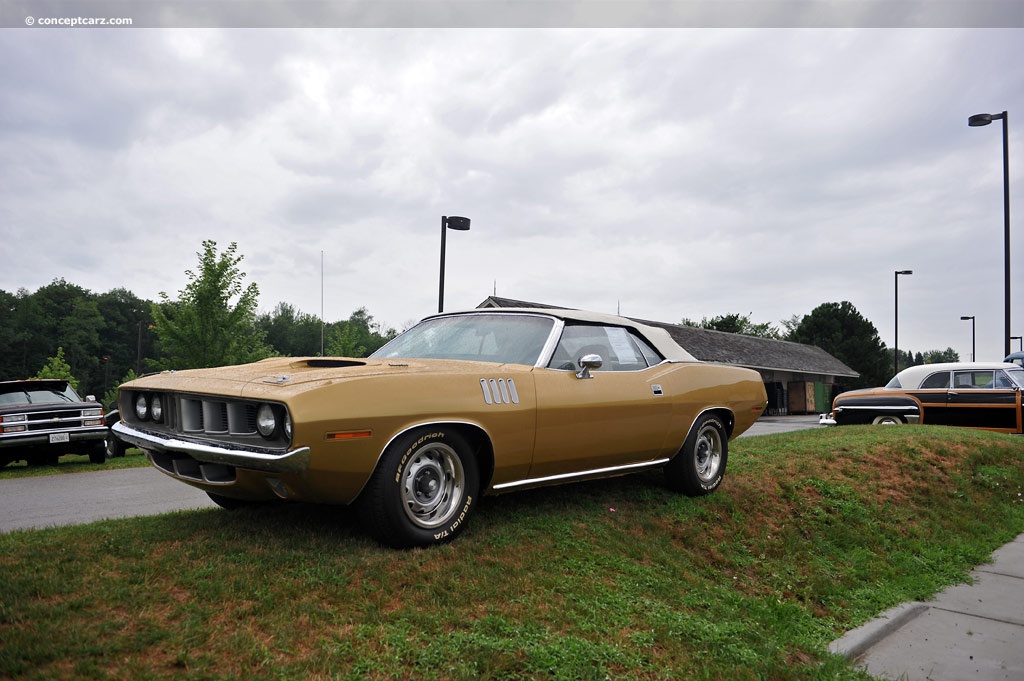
{"type": "Point", "coordinates": [501, 338]}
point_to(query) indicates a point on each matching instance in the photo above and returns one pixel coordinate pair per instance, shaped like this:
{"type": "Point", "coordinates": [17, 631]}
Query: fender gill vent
{"type": "Point", "coordinates": [499, 391]}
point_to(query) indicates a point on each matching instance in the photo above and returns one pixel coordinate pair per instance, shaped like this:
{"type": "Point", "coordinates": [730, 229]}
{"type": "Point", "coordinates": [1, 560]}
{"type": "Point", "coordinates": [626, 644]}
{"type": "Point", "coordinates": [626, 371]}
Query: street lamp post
{"type": "Point", "coordinates": [458, 224]}
{"type": "Point", "coordinates": [896, 331]}
{"type": "Point", "coordinates": [971, 317]}
{"type": "Point", "coordinates": [984, 119]}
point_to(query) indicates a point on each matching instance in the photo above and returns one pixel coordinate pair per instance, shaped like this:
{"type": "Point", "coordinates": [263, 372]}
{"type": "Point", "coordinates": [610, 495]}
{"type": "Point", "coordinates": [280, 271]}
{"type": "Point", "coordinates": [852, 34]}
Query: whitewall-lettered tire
{"type": "Point", "coordinates": [424, 489]}
{"type": "Point", "coordinates": [699, 466]}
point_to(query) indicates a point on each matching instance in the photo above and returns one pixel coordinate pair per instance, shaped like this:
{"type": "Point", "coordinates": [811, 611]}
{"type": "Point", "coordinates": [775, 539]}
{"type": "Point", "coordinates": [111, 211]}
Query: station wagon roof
{"type": "Point", "coordinates": [911, 377]}
{"type": "Point", "coordinates": [658, 337]}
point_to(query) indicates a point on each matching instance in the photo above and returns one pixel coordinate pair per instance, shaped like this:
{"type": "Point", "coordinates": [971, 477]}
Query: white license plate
{"type": "Point", "coordinates": [57, 438]}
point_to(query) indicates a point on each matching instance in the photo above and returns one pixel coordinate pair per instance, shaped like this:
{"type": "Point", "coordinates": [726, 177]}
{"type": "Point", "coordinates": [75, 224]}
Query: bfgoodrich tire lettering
{"type": "Point", "coordinates": [423, 491]}
{"type": "Point", "coordinates": [699, 466]}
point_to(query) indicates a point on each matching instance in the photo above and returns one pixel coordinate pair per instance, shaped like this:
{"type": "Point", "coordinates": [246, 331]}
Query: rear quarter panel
{"type": "Point", "coordinates": [697, 387]}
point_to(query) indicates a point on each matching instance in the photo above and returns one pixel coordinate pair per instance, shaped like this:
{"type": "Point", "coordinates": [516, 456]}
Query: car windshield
{"type": "Point", "coordinates": [42, 394]}
{"type": "Point", "coordinates": [501, 338]}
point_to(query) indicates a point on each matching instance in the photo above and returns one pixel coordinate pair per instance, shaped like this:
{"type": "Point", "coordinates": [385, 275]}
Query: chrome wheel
{"type": "Point", "coordinates": [433, 486]}
{"type": "Point", "coordinates": [699, 466]}
{"type": "Point", "coordinates": [708, 452]}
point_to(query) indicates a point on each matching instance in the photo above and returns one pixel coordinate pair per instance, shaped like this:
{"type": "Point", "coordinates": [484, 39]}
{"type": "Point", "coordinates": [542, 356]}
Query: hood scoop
{"type": "Point", "coordinates": [331, 363]}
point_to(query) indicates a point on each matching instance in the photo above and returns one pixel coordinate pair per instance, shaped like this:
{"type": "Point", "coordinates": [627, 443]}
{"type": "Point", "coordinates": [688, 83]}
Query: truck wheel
{"type": "Point", "coordinates": [98, 453]}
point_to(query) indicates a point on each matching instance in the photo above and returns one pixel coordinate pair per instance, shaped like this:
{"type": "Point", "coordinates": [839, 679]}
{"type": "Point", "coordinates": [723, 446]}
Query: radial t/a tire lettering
{"type": "Point", "coordinates": [698, 468]}
{"type": "Point", "coordinates": [423, 490]}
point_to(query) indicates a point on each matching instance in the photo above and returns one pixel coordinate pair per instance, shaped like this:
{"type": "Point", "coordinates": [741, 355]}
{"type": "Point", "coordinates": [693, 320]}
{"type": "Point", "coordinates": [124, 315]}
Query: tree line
{"type": "Point", "coordinates": [102, 340]}
{"type": "Point", "coordinates": [107, 338]}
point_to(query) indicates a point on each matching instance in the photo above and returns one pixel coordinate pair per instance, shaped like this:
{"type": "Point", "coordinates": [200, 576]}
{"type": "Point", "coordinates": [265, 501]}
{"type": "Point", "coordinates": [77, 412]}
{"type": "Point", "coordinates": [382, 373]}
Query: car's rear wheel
{"type": "Point", "coordinates": [699, 466]}
{"type": "Point", "coordinates": [423, 490]}
{"type": "Point", "coordinates": [887, 420]}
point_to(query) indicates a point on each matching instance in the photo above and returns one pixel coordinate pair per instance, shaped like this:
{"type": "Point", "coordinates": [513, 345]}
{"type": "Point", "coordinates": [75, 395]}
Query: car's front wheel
{"type": "Point", "coordinates": [423, 490]}
{"type": "Point", "coordinates": [699, 466]}
{"type": "Point", "coordinates": [115, 448]}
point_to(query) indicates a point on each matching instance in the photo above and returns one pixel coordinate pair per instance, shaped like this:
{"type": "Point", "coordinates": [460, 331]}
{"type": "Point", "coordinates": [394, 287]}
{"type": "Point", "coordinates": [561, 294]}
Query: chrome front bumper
{"type": "Point", "coordinates": [295, 461]}
{"type": "Point", "coordinates": [826, 419]}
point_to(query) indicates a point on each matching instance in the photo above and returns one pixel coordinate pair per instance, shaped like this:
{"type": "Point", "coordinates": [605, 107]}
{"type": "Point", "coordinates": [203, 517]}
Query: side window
{"type": "Point", "coordinates": [939, 380]}
{"type": "Point", "coordinates": [1004, 382]}
{"type": "Point", "coordinates": [973, 379]}
{"type": "Point", "coordinates": [620, 349]}
{"type": "Point", "coordinates": [649, 353]}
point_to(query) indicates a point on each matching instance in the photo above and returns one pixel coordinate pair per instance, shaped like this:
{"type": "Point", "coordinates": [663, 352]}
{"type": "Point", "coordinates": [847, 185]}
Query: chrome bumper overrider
{"type": "Point", "coordinates": [295, 461]}
{"type": "Point", "coordinates": [826, 420]}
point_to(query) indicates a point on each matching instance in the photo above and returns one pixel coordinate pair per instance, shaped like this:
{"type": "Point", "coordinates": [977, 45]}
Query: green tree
{"type": "Point", "coordinates": [736, 323]}
{"type": "Point", "coordinates": [213, 321]}
{"type": "Point", "coordinates": [110, 396]}
{"type": "Point", "coordinates": [290, 332]}
{"type": "Point", "coordinates": [840, 330]}
{"type": "Point", "coordinates": [359, 336]}
{"type": "Point", "coordinates": [125, 339]}
{"type": "Point", "coordinates": [343, 341]}
{"type": "Point", "coordinates": [938, 356]}
{"type": "Point", "coordinates": [57, 367]}
{"type": "Point", "coordinates": [79, 332]}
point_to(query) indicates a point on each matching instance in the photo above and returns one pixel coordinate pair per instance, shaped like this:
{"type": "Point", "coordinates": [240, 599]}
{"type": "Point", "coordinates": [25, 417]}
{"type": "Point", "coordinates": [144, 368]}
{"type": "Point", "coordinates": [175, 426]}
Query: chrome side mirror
{"type": "Point", "coordinates": [588, 362]}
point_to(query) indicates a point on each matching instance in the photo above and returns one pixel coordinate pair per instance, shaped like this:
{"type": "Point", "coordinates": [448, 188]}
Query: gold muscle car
{"type": "Point", "coordinates": [966, 394]}
{"type": "Point", "coordinates": [460, 405]}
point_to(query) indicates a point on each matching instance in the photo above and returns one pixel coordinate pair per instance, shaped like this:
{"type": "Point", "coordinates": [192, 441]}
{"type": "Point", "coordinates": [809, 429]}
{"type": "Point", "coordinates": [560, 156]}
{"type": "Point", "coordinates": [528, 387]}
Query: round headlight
{"type": "Point", "coordinates": [266, 420]}
{"type": "Point", "coordinates": [142, 407]}
{"type": "Point", "coordinates": [156, 408]}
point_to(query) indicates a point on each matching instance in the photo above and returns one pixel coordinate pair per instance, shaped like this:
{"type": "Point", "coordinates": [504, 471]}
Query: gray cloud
{"type": "Point", "coordinates": [669, 173]}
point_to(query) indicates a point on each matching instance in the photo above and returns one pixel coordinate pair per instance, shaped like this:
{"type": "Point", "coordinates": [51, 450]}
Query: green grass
{"type": "Point", "coordinates": [811, 534]}
{"type": "Point", "coordinates": [74, 463]}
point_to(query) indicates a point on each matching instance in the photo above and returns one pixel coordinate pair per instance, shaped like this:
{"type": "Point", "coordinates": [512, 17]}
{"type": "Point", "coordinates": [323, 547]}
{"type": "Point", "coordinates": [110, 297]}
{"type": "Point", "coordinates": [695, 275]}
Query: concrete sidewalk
{"type": "Point", "coordinates": [970, 631]}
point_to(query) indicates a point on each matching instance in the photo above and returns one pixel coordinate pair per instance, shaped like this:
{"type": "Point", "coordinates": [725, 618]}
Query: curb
{"type": "Point", "coordinates": [856, 642]}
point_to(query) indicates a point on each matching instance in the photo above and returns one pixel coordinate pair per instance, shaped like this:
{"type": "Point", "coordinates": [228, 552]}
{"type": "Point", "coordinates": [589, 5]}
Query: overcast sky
{"type": "Point", "coordinates": [666, 173]}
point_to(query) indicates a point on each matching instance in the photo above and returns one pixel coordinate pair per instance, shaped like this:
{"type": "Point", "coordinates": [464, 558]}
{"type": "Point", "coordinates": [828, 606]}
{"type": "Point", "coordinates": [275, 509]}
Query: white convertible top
{"type": "Point", "coordinates": [657, 337]}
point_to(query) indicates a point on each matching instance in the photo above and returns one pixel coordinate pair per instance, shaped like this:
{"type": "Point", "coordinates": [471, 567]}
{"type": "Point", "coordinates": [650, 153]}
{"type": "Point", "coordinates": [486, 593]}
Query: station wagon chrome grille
{"type": "Point", "coordinates": [499, 391]}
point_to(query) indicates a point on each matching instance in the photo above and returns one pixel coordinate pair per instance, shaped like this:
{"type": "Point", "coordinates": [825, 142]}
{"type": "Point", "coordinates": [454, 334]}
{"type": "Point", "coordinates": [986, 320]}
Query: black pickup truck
{"type": "Point", "coordinates": [43, 419]}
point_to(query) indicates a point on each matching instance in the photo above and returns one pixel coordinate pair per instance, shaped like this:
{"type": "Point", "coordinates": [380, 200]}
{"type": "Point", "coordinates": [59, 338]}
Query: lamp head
{"type": "Point", "coordinates": [965, 318]}
{"type": "Point", "coordinates": [984, 119]}
{"type": "Point", "coordinates": [457, 223]}
{"type": "Point", "coordinates": [904, 271]}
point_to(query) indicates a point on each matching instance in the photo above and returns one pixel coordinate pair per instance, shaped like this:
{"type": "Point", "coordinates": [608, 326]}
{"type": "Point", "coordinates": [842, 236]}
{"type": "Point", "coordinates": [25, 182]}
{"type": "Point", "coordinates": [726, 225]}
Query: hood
{"type": "Point", "coordinates": [279, 377]}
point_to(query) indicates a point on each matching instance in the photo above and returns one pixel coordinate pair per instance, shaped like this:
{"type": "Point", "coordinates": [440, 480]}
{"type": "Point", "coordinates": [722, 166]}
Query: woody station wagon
{"type": "Point", "coordinates": [968, 394]}
{"type": "Point", "coordinates": [460, 405]}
